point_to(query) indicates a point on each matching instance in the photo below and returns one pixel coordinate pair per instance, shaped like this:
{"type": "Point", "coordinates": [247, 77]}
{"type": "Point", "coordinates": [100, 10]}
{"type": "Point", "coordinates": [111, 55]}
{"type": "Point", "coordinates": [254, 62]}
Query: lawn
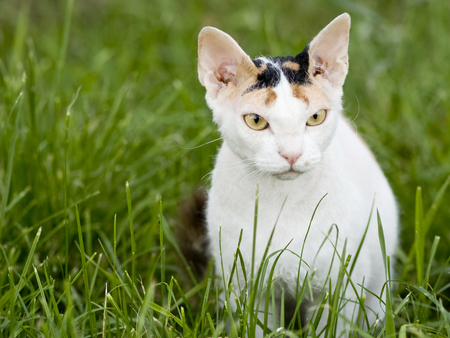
{"type": "Point", "coordinates": [104, 130]}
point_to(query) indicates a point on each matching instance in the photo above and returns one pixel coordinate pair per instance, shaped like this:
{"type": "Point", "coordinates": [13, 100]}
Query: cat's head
{"type": "Point", "coordinates": [279, 114]}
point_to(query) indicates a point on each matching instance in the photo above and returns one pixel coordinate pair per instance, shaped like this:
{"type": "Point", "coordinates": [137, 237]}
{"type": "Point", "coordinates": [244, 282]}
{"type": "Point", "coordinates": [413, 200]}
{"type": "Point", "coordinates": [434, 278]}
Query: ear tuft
{"type": "Point", "coordinates": [219, 57]}
{"type": "Point", "coordinates": [328, 52]}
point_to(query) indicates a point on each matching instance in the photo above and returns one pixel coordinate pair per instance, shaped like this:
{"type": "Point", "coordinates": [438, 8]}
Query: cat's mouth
{"type": "Point", "coordinates": [291, 174]}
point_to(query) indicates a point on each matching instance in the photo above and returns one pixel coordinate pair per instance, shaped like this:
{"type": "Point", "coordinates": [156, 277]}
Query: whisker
{"type": "Point", "coordinates": [357, 114]}
{"type": "Point", "coordinates": [250, 176]}
{"type": "Point", "coordinates": [201, 145]}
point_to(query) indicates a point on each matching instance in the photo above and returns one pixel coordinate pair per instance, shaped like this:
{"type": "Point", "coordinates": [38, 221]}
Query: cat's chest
{"type": "Point", "coordinates": [291, 211]}
{"type": "Point", "coordinates": [289, 204]}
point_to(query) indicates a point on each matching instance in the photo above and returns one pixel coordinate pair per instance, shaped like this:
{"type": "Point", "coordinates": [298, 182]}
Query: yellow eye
{"type": "Point", "coordinates": [317, 118]}
{"type": "Point", "coordinates": [255, 122]}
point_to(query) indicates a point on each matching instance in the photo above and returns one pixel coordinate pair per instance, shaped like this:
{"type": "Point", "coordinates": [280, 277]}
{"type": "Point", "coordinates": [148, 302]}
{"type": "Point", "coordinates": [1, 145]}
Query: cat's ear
{"type": "Point", "coordinates": [221, 61]}
{"type": "Point", "coordinates": [328, 52]}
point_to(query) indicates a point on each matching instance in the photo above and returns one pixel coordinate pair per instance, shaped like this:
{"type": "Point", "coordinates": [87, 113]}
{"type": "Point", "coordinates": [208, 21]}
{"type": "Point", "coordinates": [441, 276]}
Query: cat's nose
{"type": "Point", "coordinates": [291, 157]}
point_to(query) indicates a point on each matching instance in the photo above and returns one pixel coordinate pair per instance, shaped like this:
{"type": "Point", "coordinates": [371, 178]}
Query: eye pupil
{"type": "Point", "coordinates": [317, 118]}
{"type": "Point", "coordinates": [255, 122]}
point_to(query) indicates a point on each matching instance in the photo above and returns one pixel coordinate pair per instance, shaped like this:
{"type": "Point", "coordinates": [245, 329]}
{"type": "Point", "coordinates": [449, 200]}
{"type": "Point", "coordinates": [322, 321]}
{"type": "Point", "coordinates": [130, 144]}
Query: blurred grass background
{"type": "Point", "coordinates": [140, 114]}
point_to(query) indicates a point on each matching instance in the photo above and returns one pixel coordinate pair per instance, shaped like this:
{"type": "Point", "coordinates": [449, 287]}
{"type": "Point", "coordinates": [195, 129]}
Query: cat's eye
{"type": "Point", "coordinates": [255, 122]}
{"type": "Point", "coordinates": [317, 118]}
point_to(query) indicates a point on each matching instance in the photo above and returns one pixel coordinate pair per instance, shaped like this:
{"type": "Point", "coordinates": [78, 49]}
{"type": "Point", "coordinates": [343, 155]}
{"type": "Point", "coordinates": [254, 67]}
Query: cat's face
{"type": "Point", "coordinates": [277, 114]}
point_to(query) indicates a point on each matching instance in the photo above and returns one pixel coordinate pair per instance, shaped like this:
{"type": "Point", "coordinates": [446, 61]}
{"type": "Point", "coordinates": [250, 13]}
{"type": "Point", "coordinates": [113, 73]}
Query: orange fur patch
{"type": "Point", "coordinates": [292, 65]}
{"type": "Point", "coordinates": [263, 67]}
{"type": "Point", "coordinates": [246, 75]}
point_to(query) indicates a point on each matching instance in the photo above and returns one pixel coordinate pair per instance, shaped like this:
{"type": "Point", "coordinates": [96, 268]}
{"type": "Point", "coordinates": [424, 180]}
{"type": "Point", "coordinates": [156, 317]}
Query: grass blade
{"type": "Point", "coordinates": [63, 48]}
{"type": "Point", "coordinates": [85, 277]}
{"type": "Point", "coordinates": [420, 240]}
{"type": "Point", "coordinates": [161, 248]}
{"type": "Point", "coordinates": [143, 313]}
{"type": "Point", "coordinates": [133, 243]}
{"type": "Point", "coordinates": [390, 326]}
{"type": "Point", "coordinates": [23, 278]}
{"type": "Point", "coordinates": [436, 204]}
{"type": "Point", "coordinates": [11, 153]}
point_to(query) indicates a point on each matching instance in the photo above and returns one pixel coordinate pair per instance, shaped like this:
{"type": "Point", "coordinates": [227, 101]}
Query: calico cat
{"type": "Point", "coordinates": [283, 132]}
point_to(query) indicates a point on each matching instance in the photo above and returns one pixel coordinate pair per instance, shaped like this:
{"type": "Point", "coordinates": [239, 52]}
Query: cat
{"type": "Point", "coordinates": [284, 134]}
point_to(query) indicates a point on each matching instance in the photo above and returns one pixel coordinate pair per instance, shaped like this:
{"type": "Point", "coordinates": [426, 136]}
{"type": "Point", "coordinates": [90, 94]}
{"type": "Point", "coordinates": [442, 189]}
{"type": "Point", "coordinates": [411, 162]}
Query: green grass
{"type": "Point", "coordinates": [95, 94]}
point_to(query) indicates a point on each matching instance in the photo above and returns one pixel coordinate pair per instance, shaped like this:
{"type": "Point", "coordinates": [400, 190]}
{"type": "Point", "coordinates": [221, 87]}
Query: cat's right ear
{"type": "Point", "coordinates": [221, 61]}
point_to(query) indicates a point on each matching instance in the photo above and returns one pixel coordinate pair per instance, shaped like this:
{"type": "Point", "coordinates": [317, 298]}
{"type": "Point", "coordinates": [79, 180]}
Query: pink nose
{"type": "Point", "coordinates": [291, 157]}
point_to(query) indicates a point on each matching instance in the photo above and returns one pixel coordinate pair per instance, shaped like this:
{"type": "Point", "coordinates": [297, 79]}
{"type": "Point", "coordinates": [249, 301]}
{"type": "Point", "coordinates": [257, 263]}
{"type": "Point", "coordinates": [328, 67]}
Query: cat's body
{"type": "Point", "coordinates": [296, 160]}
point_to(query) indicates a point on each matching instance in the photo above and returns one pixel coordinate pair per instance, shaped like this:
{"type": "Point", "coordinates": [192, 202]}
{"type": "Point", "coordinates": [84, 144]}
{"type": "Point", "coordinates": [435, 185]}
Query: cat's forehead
{"type": "Point", "coordinates": [285, 98]}
{"type": "Point", "coordinates": [280, 73]}
{"type": "Point", "coordinates": [294, 69]}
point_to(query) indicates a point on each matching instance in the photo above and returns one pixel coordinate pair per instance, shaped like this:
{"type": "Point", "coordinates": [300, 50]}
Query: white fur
{"type": "Point", "coordinates": [334, 162]}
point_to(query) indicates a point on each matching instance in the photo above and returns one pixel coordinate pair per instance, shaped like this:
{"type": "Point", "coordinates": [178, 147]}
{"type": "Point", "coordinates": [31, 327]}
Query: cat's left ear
{"type": "Point", "coordinates": [328, 52]}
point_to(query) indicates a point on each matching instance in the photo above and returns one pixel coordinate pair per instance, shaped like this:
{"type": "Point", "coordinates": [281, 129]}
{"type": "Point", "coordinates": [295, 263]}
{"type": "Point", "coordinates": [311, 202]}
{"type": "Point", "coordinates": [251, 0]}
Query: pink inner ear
{"type": "Point", "coordinates": [227, 73]}
{"type": "Point", "coordinates": [319, 68]}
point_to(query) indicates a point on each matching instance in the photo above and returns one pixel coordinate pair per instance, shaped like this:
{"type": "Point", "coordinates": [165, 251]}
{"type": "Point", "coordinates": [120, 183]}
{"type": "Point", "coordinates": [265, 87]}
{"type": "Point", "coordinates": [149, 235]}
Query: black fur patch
{"type": "Point", "coordinates": [299, 76]}
{"type": "Point", "coordinates": [270, 75]}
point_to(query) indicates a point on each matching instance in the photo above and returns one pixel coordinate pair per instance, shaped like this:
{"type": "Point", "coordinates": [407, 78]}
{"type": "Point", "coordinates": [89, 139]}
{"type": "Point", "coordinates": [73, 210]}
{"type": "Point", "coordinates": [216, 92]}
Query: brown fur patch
{"type": "Point", "coordinates": [190, 231]}
{"type": "Point", "coordinates": [300, 92]}
{"type": "Point", "coordinates": [266, 96]}
{"type": "Point", "coordinates": [311, 93]}
{"type": "Point", "coordinates": [271, 96]}
{"type": "Point", "coordinates": [292, 65]}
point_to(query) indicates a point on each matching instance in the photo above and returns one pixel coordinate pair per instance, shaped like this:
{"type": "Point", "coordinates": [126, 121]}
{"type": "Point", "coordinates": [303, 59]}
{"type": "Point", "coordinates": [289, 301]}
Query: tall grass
{"type": "Point", "coordinates": [84, 253]}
